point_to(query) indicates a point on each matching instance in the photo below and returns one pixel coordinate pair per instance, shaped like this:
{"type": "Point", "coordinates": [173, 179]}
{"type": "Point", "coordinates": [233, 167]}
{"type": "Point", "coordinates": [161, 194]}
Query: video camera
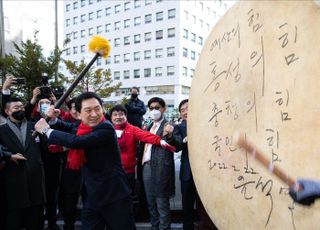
{"type": "Point", "coordinates": [46, 89]}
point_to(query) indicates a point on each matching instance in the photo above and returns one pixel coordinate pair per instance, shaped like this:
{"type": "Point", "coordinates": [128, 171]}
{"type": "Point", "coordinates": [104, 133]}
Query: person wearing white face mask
{"type": "Point", "coordinates": [52, 161]}
{"type": "Point", "coordinates": [158, 166]}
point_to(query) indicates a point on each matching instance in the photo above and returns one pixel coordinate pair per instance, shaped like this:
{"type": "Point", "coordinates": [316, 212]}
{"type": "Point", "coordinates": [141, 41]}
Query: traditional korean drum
{"type": "Point", "coordinates": [258, 74]}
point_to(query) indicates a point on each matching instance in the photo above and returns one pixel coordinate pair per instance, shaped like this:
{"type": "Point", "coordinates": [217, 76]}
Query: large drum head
{"type": "Point", "coordinates": [258, 74]}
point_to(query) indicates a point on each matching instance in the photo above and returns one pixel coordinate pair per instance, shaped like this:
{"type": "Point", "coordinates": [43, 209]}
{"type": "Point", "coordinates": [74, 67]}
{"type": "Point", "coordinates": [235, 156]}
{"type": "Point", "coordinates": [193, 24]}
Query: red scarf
{"type": "Point", "coordinates": [76, 157]}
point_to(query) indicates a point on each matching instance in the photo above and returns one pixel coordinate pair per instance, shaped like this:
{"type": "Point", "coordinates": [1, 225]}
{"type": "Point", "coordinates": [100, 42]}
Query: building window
{"type": "Point", "coordinates": [185, 90]}
{"type": "Point", "coordinates": [136, 56]}
{"type": "Point", "coordinates": [108, 61]}
{"type": "Point", "coordinates": [75, 49]}
{"type": "Point", "coordinates": [90, 2]}
{"type": "Point", "coordinates": [194, 19]}
{"type": "Point", "coordinates": [137, 3]}
{"type": "Point", "coordinates": [75, 35]}
{"type": "Point", "coordinates": [117, 8]}
{"type": "Point", "coordinates": [90, 16]}
{"type": "Point", "coordinates": [108, 11]}
{"type": "Point", "coordinates": [201, 5]}
{"type": "Point", "coordinates": [159, 16]}
{"type": "Point", "coordinates": [117, 25]}
{"type": "Point", "coordinates": [147, 36]}
{"type": "Point", "coordinates": [126, 74]}
{"type": "Point", "coordinates": [137, 21]}
{"type": "Point", "coordinates": [108, 27]}
{"type": "Point", "coordinates": [200, 40]}
{"type": "Point", "coordinates": [126, 57]}
{"type": "Point", "coordinates": [99, 29]}
{"type": "Point", "coordinates": [158, 71]}
{"type": "Point", "coordinates": [159, 34]}
{"type": "Point", "coordinates": [159, 53]}
{"type": "Point", "coordinates": [191, 73]}
{"type": "Point", "coordinates": [136, 38]}
{"type": "Point", "coordinates": [99, 13]}
{"type": "Point", "coordinates": [208, 26]}
{"type": "Point", "coordinates": [147, 72]}
{"type": "Point", "coordinates": [170, 70]}
{"type": "Point", "coordinates": [83, 3]}
{"type": "Point", "coordinates": [186, 15]}
{"type": "Point", "coordinates": [193, 55]}
{"type": "Point", "coordinates": [90, 31]}
{"type": "Point", "coordinates": [83, 18]}
{"type": "Point", "coordinates": [75, 20]}
{"type": "Point", "coordinates": [68, 51]}
{"type": "Point", "coordinates": [116, 42]}
{"type": "Point", "coordinates": [185, 33]}
{"type": "Point", "coordinates": [68, 7]}
{"type": "Point", "coordinates": [83, 33]}
{"type": "Point", "coordinates": [171, 32]}
{"type": "Point", "coordinates": [201, 23]}
{"type": "Point", "coordinates": [68, 36]}
{"type": "Point", "coordinates": [170, 51]}
{"type": "Point", "coordinates": [126, 23]}
{"type": "Point", "coordinates": [147, 54]}
{"type": "Point", "coordinates": [116, 75]}
{"type": "Point", "coordinates": [99, 61]}
{"type": "Point", "coordinates": [126, 6]}
{"type": "Point", "coordinates": [148, 18]}
{"type": "Point", "coordinates": [126, 40]}
{"type": "Point", "coordinates": [185, 52]}
{"type": "Point", "coordinates": [117, 58]}
{"type": "Point", "coordinates": [171, 13]}
{"type": "Point", "coordinates": [67, 22]}
{"type": "Point", "coordinates": [184, 71]}
{"type": "Point", "coordinates": [75, 5]}
{"type": "Point", "coordinates": [148, 2]}
{"type": "Point", "coordinates": [158, 1]}
{"type": "Point", "coordinates": [83, 48]}
{"type": "Point", "coordinates": [136, 73]}
{"type": "Point", "coordinates": [193, 37]}
{"type": "Point", "coordinates": [157, 90]}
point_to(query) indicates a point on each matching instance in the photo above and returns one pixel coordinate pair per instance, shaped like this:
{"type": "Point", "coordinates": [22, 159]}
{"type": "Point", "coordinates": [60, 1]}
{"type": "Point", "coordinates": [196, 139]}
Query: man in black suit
{"type": "Point", "coordinates": [94, 146]}
{"type": "Point", "coordinates": [23, 180]}
{"type": "Point", "coordinates": [158, 166]}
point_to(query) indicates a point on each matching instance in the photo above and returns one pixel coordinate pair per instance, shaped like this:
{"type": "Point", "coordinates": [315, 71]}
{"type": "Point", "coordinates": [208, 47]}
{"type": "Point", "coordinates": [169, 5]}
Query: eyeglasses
{"type": "Point", "coordinates": [156, 108]}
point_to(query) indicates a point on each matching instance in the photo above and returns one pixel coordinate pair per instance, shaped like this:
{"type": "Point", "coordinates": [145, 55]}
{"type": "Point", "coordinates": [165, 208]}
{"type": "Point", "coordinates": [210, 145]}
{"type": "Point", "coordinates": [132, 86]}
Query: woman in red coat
{"type": "Point", "coordinates": [128, 138]}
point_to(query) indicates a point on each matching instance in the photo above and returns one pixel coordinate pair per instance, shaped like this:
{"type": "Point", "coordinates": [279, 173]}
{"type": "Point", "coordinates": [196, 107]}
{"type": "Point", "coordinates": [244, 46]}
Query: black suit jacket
{"type": "Point", "coordinates": [24, 183]}
{"type": "Point", "coordinates": [104, 176]}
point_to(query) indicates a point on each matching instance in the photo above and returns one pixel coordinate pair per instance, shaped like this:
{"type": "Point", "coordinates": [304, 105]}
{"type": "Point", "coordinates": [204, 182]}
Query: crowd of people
{"type": "Point", "coordinates": [86, 151]}
{"type": "Point", "coordinates": [83, 150]}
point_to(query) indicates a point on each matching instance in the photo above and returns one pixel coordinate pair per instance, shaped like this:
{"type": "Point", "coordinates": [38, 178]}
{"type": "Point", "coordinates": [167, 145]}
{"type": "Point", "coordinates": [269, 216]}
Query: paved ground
{"type": "Point", "coordinates": [140, 226]}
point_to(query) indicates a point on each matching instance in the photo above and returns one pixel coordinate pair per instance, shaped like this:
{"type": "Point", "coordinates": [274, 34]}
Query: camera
{"type": "Point", "coordinates": [45, 88]}
{"type": "Point", "coordinates": [19, 81]}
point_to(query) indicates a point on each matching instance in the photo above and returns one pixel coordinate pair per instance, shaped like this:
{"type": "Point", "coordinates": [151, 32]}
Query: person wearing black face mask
{"type": "Point", "coordinates": [136, 108]}
{"type": "Point", "coordinates": [23, 179]}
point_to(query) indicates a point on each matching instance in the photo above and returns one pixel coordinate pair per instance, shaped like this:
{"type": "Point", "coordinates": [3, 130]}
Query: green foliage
{"type": "Point", "coordinates": [95, 80]}
{"type": "Point", "coordinates": [30, 64]}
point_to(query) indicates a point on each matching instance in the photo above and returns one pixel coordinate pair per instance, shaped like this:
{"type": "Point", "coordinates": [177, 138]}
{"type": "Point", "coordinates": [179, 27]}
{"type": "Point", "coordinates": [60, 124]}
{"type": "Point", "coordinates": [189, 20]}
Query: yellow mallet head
{"type": "Point", "coordinates": [100, 45]}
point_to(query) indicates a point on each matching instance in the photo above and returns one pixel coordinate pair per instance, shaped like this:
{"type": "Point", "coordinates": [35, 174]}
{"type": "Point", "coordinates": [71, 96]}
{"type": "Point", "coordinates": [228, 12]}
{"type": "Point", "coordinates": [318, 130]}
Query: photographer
{"type": "Point", "coordinates": [10, 80]}
{"type": "Point", "coordinates": [51, 158]}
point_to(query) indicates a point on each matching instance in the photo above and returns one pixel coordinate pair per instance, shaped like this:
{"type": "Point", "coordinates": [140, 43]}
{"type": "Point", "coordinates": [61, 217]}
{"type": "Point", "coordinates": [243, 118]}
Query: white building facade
{"type": "Point", "coordinates": [155, 43]}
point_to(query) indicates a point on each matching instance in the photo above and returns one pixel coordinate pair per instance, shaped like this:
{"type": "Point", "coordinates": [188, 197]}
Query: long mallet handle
{"type": "Point", "coordinates": [242, 142]}
{"type": "Point", "coordinates": [61, 100]}
{"type": "Point", "coordinates": [100, 47]}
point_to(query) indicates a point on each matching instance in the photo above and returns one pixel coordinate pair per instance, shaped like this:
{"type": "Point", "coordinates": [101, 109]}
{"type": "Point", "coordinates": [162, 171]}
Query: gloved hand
{"type": "Point", "coordinates": [166, 146]}
{"type": "Point", "coordinates": [310, 191]}
{"type": "Point", "coordinates": [5, 153]}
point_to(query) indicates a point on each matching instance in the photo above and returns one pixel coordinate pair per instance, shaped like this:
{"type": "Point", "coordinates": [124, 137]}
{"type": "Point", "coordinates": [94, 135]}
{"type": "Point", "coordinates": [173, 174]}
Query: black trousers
{"type": "Point", "coordinates": [115, 216]}
{"type": "Point", "coordinates": [29, 218]}
{"type": "Point", "coordinates": [52, 172]}
{"type": "Point", "coordinates": [189, 192]}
